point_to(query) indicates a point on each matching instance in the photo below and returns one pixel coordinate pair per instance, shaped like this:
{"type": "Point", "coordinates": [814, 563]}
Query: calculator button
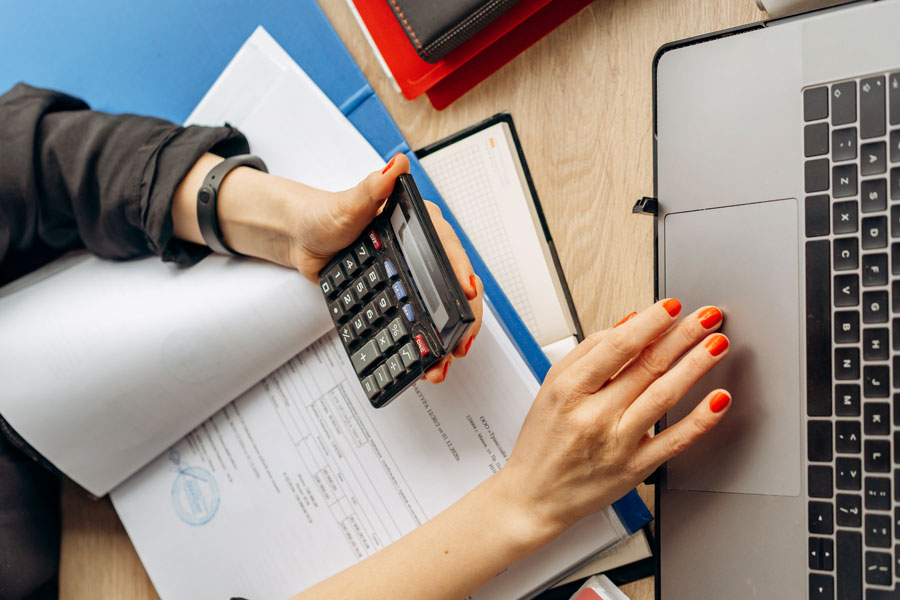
{"type": "Point", "coordinates": [347, 335]}
{"type": "Point", "coordinates": [362, 252]}
{"type": "Point", "coordinates": [367, 356]}
{"type": "Point", "coordinates": [376, 241]}
{"type": "Point", "coordinates": [389, 269]}
{"type": "Point", "coordinates": [395, 366]}
{"type": "Point", "coordinates": [384, 340]}
{"type": "Point", "coordinates": [383, 376]}
{"type": "Point", "coordinates": [399, 290]}
{"type": "Point", "coordinates": [383, 302]}
{"type": "Point", "coordinates": [336, 276]}
{"type": "Point", "coordinates": [359, 325]}
{"type": "Point", "coordinates": [372, 314]}
{"type": "Point", "coordinates": [370, 387]}
{"type": "Point", "coordinates": [398, 330]}
{"type": "Point", "coordinates": [409, 355]}
{"type": "Point", "coordinates": [408, 312]}
{"type": "Point", "coordinates": [327, 288]}
{"type": "Point", "coordinates": [348, 299]}
{"type": "Point", "coordinates": [374, 277]}
{"type": "Point", "coordinates": [350, 266]}
{"type": "Point", "coordinates": [361, 289]}
{"type": "Point", "coordinates": [422, 344]}
{"type": "Point", "coordinates": [337, 311]}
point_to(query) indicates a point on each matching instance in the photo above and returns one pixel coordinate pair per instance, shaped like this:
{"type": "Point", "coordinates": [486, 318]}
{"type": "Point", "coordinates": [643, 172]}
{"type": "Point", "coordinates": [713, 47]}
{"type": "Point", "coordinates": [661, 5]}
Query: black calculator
{"type": "Point", "coordinates": [394, 298]}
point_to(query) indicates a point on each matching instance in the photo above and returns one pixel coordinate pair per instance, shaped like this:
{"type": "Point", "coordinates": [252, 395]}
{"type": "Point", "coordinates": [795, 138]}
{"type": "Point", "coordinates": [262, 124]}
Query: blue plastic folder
{"type": "Point", "coordinates": [159, 58]}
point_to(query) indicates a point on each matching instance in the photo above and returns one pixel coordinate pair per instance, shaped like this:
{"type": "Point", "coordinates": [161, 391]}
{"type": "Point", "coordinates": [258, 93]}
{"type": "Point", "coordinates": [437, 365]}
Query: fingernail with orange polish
{"type": "Point", "coordinates": [719, 402]}
{"type": "Point", "coordinates": [389, 165]}
{"type": "Point", "coordinates": [672, 306]}
{"type": "Point", "coordinates": [626, 319]}
{"type": "Point", "coordinates": [446, 366]}
{"type": "Point", "coordinates": [474, 287]}
{"type": "Point", "coordinates": [717, 344]}
{"type": "Point", "coordinates": [710, 317]}
{"type": "Point", "coordinates": [468, 345]}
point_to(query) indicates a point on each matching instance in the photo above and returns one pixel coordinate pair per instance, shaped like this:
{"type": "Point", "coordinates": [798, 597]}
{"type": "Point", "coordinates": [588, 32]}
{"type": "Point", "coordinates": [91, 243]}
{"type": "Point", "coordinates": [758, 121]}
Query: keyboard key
{"type": "Point", "coordinates": [815, 104]}
{"type": "Point", "coordinates": [336, 276]}
{"type": "Point", "coordinates": [875, 269]}
{"type": "Point", "coordinates": [348, 299]}
{"type": "Point", "coordinates": [821, 517]}
{"type": "Point", "coordinates": [897, 447]}
{"type": "Point", "coordinates": [878, 530]}
{"type": "Point", "coordinates": [844, 181]}
{"type": "Point", "coordinates": [383, 302]}
{"type": "Point", "coordinates": [848, 473]}
{"type": "Point", "coordinates": [408, 313]}
{"type": "Point", "coordinates": [874, 233]}
{"type": "Point", "coordinates": [815, 139]}
{"type": "Point", "coordinates": [896, 420]}
{"type": "Point", "coordinates": [818, 441]}
{"type": "Point", "coordinates": [843, 144]}
{"type": "Point", "coordinates": [876, 381]}
{"type": "Point", "coordinates": [422, 345]}
{"type": "Point", "coordinates": [877, 456]}
{"type": "Point", "coordinates": [895, 183]}
{"type": "Point", "coordinates": [821, 587]}
{"type": "Point", "coordinates": [896, 380]}
{"type": "Point", "coordinates": [896, 496]}
{"type": "Point", "coordinates": [818, 329]}
{"type": "Point", "coordinates": [878, 494]}
{"type": "Point", "coordinates": [895, 146]}
{"type": "Point", "coordinates": [846, 254]}
{"type": "Point", "coordinates": [346, 334]}
{"type": "Point", "coordinates": [877, 416]}
{"type": "Point", "coordinates": [846, 364]}
{"type": "Point", "coordinates": [874, 195]}
{"type": "Point", "coordinates": [327, 288]}
{"type": "Point", "coordinates": [365, 358]}
{"type": "Point", "coordinates": [398, 330]}
{"type": "Point", "coordinates": [372, 314]}
{"type": "Point", "coordinates": [373, 277]}
{"type": "Point", "coordinates": [878, 569]}
{"type": "Point", "coordinates": [350, 266]}
{"type": "Point", "coordinates": [843, 103]}
{"type": "Point", "coordinates": [395, 367]}
{"type": "Point", "coordinates": [846, 327]}
{"type": "Point", "coordinates": [895, 259]}
{"type": "Point", "coordinates": [389, 269]}
{"type": "Point", "coordinates": [409, 354]}
{"type": "Point", "coordinates": [370, 387]}
{"type": "Point", "coordinates": [873, 159]}
{"type": "Point", "coordinates": [846, 290]}
{"type": "Point", "coordinates": [849, 510]}
{"type": "Point", "coordinates": [383, 376]}
{"type": "Point", "coordinates": [817, 215]}
{"type": "Point", "coordinates": [875, 307]}
{"type": "Point", "coordinates": [819, 480]}
{"type": "Point", "coordinates": [846, 400]}
{"type": "Point", "coordinates": [376, 241]}
{"type": "Point", "coordinates": [871, 107]}
{"type": "Point", "coordinates": [362, 252]}
{"type": "Point", "coordinates": [816, 175]}
{"type": "Point", "coordinates": [338, 314]}
{"type": "Point", "coordinates": [847, 437]}
{"type": "Point", "coordinates": [875, 344]}
{"type": "Point", "coordinates": [844, 217]}
{"type": "Point", "coordinates": [821, 554]}
{"type": "Point", "coordinates": [384, 340]}
{"type": "Point", "coordinates": [848, 560]}
{"type": "Point", "coordinates": [359, 325]}
{"type": "Point", "coordinates": [399, 290]}
{"type": "Point", "coordinates": [362, 290]}
{"type": "Point", "coordinates": [894, 85]}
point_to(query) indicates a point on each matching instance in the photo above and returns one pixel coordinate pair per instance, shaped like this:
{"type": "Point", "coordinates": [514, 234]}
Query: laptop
{"type": "Point", "coordinates": [778, 179]}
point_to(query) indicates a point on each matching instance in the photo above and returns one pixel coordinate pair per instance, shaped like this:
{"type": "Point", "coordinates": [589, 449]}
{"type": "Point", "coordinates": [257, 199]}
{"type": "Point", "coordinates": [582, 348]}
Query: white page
{"type": "Point", "coordinates": [309, 479]}
{"type": "Point", "coordinates": [480, 179]}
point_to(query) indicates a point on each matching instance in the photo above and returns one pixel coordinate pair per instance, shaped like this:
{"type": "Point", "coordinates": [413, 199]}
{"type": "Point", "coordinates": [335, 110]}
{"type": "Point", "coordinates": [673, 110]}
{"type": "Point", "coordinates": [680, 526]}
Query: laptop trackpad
{"type": "Point", "coordinates": [743, 259]}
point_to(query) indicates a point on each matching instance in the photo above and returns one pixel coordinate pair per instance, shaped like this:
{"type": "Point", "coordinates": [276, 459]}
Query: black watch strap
{"type": "Point", "coordinates": [208, 196]}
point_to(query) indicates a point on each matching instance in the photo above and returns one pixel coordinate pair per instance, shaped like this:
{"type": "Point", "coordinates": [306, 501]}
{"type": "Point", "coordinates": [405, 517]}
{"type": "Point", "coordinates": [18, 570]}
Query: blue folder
{"type": "Point", "coordinates": [159, 58]}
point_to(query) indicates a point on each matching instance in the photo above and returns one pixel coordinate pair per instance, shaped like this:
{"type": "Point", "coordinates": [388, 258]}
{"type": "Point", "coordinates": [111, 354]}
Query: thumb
{"type": "Point", "coordinates": [357, 206]}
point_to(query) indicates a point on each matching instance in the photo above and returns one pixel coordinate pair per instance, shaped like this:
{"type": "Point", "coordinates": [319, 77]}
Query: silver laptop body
{"type": "Point", "coordinates": [761, 200]}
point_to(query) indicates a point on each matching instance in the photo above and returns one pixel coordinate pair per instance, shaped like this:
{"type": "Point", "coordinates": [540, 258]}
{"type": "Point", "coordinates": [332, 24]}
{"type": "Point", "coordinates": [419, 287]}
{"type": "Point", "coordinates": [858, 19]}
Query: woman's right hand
{"type": "Point", "coordinates": [585, 441]}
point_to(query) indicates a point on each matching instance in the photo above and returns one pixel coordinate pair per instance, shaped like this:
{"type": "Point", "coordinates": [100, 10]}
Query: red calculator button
{"type": "Point", "coordinates": [423, 346]}
{"type": "Point", "coordinates": [376, 241]}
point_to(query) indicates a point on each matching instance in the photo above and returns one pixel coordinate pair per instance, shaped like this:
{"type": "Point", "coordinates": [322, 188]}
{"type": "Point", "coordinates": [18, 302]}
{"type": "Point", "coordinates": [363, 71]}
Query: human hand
{"type": "Point", "coordinates": [585, 441]}
{"type": "Point", "coordinates": [298, 226]}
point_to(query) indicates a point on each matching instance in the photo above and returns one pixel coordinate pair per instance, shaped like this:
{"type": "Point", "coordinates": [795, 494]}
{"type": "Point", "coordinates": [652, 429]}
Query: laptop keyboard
{"type": "Point", "coordinates": [851, 140]}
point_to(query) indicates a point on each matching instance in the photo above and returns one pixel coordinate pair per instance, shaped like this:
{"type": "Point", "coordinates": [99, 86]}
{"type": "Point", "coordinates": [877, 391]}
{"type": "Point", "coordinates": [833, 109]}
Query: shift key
{"type": "Point", "coordinates": [366, 357]}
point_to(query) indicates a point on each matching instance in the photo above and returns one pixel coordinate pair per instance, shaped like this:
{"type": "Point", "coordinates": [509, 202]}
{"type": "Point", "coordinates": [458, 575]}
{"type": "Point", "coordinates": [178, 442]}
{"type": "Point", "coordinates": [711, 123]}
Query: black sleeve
{"type": "Point", "coordinates": [72, 177]}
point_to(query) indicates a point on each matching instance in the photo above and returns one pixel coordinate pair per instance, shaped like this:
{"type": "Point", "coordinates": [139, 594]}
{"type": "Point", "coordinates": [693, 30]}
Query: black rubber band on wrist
{"type": "Point", "coordinates": [208, 196]}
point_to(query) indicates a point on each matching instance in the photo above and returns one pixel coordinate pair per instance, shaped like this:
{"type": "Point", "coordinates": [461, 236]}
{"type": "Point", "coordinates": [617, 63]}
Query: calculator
{"type": "Point", "coordinates": [394, 299]}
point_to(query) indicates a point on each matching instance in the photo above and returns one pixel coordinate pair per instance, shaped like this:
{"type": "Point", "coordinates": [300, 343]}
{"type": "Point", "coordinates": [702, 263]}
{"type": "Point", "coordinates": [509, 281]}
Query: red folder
{"type": "Point", "coordinates": [491, 48]}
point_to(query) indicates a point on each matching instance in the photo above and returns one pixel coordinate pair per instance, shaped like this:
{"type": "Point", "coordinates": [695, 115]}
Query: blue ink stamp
{"type": "Point", "coordinates": [195, 496]}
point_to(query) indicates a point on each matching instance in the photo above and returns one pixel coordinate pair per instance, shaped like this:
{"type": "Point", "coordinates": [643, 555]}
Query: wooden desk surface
{"type": "Point", "coordinates": [581, 100]}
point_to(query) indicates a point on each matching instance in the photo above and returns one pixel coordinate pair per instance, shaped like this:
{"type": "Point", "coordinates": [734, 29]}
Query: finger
{"type": "Point", "coordinates": [581, 349]}
{"type": "Point", "coordinates": [676, 438]}
{"type": "Point", "coordinates": [666, 391]}
{"type": "Point", "coordinates": [621, 344]}
{"type": "Point", "coordinates": [438, 373]}
{"type": "Point", "coordinates": [654, 360]}
{"type": "Point", "coordinates": [477, 306]}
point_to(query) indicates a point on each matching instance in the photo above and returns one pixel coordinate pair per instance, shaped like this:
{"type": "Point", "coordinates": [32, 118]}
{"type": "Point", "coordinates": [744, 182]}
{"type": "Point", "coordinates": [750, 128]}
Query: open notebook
{"type": "Point", "coordinates": [218, 407]}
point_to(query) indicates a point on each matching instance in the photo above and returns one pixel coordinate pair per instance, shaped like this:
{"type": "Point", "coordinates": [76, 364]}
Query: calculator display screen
{"type": "Point", "coordinates": [422, 264]}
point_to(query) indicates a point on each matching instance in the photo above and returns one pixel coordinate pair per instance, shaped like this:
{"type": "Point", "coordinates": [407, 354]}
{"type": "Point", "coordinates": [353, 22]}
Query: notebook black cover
{"type": "Point", "coordinates": [437, 27]}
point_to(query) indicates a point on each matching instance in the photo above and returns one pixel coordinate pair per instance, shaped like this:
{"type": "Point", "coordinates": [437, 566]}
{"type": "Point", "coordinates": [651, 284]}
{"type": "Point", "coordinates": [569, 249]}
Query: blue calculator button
{"type": "Point", "coordinates": [398, 290]}
{"type": "Point", "coordinates": [389, 269]}
{"type": "Point", "coordinates": [408, 311]}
